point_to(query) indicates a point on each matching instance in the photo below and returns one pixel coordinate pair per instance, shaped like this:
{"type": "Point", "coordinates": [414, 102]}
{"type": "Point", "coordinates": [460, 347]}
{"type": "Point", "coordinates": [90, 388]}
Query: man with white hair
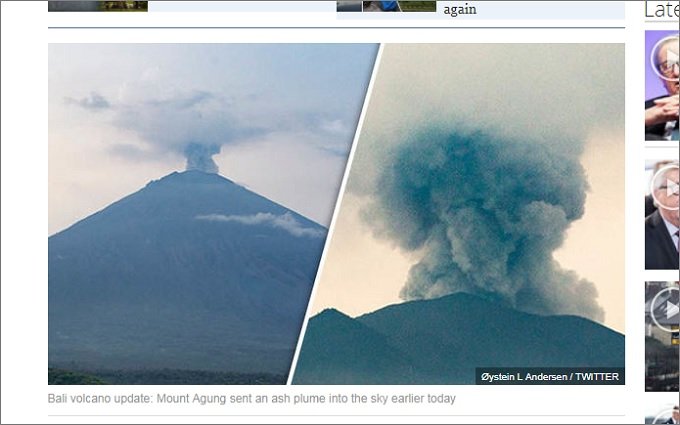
{"type": "Point", "coordinates": [662, 233]}
{"type": "Point", "coordinates": [662, 113]}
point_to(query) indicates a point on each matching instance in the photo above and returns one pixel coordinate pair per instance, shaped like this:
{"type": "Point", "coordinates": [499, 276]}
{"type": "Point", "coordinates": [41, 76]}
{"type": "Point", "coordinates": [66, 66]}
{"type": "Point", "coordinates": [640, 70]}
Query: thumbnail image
{"type": "Point", "coordinates": [662, 215]}
{"type": "Point", "coordinates": [472, 215]}
{"type": "Point", "coordinates": [381, 6]}
{"type": "Point", "coordinates": [662, 85]}
{"type": "Point", "coordinates": [123, 6]}
{"type": "Point", "coordinates": [662, 320]}
{"type": "Point", "coordinates": [664, 411]}
{"type": "Point", "coordinates": [348, 6]}
{"type": "Point", "coordinates": [418, 6]}
{"type": "Point", "coordinates": [97, 6]}
{"type": "Point", "coordinates": [190, 191]}
{"type": "Point", "coordinates": [400, 6]}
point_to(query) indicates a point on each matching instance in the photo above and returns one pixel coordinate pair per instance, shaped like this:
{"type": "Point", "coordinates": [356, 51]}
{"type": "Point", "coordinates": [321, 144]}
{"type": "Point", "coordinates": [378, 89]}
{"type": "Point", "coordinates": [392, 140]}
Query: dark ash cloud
{"type": "Point", "coordinates": [486, 213]}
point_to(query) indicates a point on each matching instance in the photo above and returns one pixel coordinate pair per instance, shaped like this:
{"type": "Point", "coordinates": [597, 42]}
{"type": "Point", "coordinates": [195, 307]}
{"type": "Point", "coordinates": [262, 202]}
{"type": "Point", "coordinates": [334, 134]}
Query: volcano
{"type": "Point", "coordinates": [441, 341]}
{"type": "Point", "coordinates": [192, 272]}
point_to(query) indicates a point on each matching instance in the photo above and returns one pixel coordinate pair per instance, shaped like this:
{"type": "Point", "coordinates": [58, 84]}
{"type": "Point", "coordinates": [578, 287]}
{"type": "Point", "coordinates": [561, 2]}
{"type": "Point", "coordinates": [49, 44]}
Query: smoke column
{"type": "Point", "coordinates": [199, 157]}
{"type": "Point", "coordinates": [486, 213]}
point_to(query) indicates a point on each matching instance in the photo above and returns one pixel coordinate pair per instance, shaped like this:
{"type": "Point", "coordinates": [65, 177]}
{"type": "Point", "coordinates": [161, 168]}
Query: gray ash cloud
{"type": "Point", "coordinates": [486, 213]}
{"type": "Point", "coordinates": [199, 157]}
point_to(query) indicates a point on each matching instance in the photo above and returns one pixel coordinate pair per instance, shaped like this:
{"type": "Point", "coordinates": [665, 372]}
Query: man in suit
{"type": "Point", "coordinates": [675, 416]}
{"type": "Point", "coordinates": [662, 226]}
{"type": "Point", "coordinates": [661, 113]}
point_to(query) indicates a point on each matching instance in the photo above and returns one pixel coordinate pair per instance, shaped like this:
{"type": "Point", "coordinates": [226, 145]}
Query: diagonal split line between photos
{"type": "Point", "coordinates": [338, 203]}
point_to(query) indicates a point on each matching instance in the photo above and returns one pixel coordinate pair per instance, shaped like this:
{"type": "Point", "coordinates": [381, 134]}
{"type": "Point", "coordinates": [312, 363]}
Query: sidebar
{"type": "Point", "coordinates": [660, 60]}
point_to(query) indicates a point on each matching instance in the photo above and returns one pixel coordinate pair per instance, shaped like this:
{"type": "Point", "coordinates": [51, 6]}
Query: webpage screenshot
{"type": "Point", "coordinates": [340, 212]}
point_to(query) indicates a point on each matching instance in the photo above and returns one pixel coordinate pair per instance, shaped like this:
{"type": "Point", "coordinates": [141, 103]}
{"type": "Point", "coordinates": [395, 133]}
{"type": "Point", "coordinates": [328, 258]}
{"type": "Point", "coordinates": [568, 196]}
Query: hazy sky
{"type": "Point", "coordinates": [567, 97]}
{"type": "Point", "coordinates": [121, 115]}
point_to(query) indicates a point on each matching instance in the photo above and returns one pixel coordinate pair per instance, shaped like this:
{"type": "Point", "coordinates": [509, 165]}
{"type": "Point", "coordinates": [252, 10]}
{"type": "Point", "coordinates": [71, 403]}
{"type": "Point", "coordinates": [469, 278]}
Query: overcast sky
{"type": "Point", "coordinates": [568, 97]}
{"type": "Point", "coordinates": [121, 115]}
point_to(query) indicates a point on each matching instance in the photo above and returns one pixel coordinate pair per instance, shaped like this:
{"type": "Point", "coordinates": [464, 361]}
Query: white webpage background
{"type": "Point", "coordinates": [25, 35]}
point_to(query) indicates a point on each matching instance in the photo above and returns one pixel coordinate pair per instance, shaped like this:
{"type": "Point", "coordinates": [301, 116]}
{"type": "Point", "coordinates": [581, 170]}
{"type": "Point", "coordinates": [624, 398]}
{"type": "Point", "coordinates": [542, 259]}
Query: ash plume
{"type": "Point", "coordinates": [199, 157]}
{"type": "Point", "coordinates": [486, 214]}
{"type": "Point", "coordinates": [195, 124]}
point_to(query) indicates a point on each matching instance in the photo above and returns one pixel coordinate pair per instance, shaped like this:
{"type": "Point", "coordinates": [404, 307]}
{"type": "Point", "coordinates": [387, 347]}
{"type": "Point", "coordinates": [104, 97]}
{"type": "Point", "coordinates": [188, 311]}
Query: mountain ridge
{"type": "Point", "coordinates": [147, 283]}
{"type": "Point", "coordinates": [193, 176]}
{"type": "Point", "coordinates": [443, 340]}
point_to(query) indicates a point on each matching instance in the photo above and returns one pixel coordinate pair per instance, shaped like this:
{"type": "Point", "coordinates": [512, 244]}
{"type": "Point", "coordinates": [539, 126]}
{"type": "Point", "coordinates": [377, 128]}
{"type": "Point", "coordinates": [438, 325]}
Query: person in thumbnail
{"type": "Point", "coordinates": [661, 113]}
{"type": "Point", "coordinates": [661, 227]}
{"type": "Point", "coordinates": [675, 416]}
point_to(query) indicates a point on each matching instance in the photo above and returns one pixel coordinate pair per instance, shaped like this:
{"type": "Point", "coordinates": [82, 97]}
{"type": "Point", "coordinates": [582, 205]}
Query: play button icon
{"type": "Point", "coordinates": [672, 62]}
{"type": "Point", "coordinates": [672, 310]}
{"type": "Point", "coordinates": [664, 58]}
{"type": "Point", "coordinates": [665, 188]}
{"type": "Point", "coordinates": [665, 309]}
{"type": "Point", "coordinates": [671, 58]}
